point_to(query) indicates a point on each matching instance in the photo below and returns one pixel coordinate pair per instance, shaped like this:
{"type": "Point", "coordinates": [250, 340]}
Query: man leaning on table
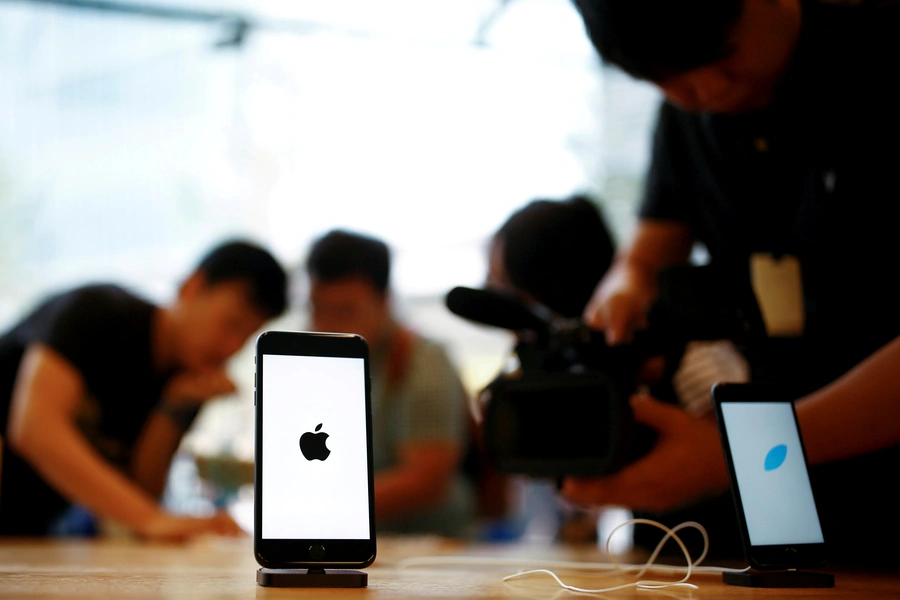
{"type": "Point", "coordinates": [776, 147]}
{"type": "Point", "coordinates": [98, 385]}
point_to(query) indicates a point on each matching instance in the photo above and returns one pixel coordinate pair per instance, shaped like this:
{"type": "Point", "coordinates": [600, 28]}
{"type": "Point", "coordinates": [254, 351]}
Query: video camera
{"type": "Point", "coordinates": [564, 410]}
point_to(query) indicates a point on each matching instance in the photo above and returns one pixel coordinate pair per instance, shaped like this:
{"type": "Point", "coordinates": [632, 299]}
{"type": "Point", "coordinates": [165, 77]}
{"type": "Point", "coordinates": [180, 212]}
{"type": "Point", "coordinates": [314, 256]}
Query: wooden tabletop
{"type": "Point", "coordinates": [225, 569]}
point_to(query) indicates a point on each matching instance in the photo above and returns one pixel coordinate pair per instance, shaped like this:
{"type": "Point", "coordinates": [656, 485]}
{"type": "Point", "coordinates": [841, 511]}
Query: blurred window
{"type": "Point", "coordinates": [130, 143]}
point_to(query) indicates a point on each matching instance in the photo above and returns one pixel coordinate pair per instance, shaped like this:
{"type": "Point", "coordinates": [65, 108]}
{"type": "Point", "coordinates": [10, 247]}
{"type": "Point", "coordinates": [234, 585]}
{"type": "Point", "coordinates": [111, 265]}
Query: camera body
{"type": "Point", "coordinates": [564, 409]}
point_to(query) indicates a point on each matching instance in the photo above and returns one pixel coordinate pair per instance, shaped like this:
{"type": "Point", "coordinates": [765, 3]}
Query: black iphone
{"type": "Point", "coordinates": [314, 501]}
{"type": "Point", "coordinates": [769, 476]}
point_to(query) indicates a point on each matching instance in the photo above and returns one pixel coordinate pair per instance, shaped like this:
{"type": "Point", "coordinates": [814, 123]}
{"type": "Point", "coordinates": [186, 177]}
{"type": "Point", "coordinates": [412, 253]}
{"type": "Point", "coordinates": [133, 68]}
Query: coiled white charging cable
{"type": "Point", "coordinates": [543, 567]}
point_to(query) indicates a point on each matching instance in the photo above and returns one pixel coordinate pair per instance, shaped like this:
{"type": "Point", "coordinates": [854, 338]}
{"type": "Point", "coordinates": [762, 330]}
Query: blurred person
{"type": "Point", "coordinates": [99, 385]}
{"type": "Point", "coordinates": [554, 253]}
{"type": "Point", "coordinates": [776, 148]}
{"type": "Point", "coordinates": [418, 402]}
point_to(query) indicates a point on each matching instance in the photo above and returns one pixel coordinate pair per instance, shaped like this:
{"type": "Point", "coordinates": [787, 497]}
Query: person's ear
{"type": "Point", "coordinates": [192, 286]}
{"type": "Point", "coordinates": [385, 301]}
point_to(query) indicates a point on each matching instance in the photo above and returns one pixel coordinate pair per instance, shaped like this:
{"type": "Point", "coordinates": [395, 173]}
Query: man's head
{"type": "Point", "coordinates": [349, 275]}
{"type": "Point", "coordinates": [722, 56]}
{"type": "Point", "coordinates": [552, 252]}
{"type": "Point", "coordinates": [234, 290]}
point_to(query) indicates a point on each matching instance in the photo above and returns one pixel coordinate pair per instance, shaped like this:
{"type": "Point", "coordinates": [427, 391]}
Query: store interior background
{"type": "Point", "coordinates": [135, 135]}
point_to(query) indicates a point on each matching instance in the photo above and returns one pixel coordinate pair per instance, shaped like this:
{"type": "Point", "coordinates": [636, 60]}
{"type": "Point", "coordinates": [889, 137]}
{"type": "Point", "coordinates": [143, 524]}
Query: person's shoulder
{"type": "Point", "coordinates": [674, 119]}
{"type": "Point", "coordinates": [109, 292]}
{"type": "Point", "coordinates": [852, 55]}
{"type": "Point", "coordinates": [429, 348]}
{"type": "Point", "coordinates": [832, 10]}
{"type": "Point", "coordinates": [77, 322]}
{"type": "Point", "coordinates": [433, 379]}
{"type": "Point", "coordinates": [430, 360]}
{"type": "Point", "coordinates": [680, 131]}
{"type": "Point", "coordinates": [104, 298]}
{"type": "Point", "coordinates": [91, 310]}
{"type": "Point", "coordinates": [865, 9]}
{"type": "Point", "coordinates": [880, 20]}
{"type": "Point", "coordinates": [855, 28]}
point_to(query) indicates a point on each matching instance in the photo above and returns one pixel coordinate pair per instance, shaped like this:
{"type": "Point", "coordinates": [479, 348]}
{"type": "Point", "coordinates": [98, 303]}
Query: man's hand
{"type": "Point", "coordinates": [165, 527]}
{"type": "Point", "coordinates": [420, 479]}
{"type": "Point", "coordinates": [628, 290]}
{"type": "Point", "coordinates": [195, 387]}
{"type": "Point", "coordinates": [685, 464]}
{"type": "Point", "coordinates": [620, 304]}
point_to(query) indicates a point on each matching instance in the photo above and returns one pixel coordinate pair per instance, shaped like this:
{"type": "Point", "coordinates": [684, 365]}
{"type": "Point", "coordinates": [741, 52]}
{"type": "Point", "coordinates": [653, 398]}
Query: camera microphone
{"type": "Point", "coordinates": [496, 309]}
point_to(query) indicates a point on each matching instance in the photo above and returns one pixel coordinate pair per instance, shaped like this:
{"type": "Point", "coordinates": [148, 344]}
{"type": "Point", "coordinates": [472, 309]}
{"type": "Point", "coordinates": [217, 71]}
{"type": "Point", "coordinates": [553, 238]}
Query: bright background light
{"type": "Point", "coordinates": [131, 144]}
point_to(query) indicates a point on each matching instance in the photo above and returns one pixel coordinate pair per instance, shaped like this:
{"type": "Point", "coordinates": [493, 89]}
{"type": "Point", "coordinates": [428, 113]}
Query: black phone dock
{"type": "Point", "coordinates": [779, 579]}
{"type": "Point", "coordinates": [312, 578]}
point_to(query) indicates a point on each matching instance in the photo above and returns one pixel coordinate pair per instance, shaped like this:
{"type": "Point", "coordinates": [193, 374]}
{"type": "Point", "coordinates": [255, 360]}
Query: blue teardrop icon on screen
{"type": "Point", "coordinates": [775, 457]}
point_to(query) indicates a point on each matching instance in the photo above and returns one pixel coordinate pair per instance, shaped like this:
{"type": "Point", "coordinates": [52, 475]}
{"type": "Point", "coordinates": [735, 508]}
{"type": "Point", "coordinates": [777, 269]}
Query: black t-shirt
{"type": "Point", "coordinates": [815, 175]}
{"type": "Point", "coordinates": [105, 332]}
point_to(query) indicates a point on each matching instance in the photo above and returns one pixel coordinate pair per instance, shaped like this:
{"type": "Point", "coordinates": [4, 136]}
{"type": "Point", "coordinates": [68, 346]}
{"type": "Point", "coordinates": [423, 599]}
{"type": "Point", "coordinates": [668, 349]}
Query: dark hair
{"type": "Point", "coordinates": [339, 254]}
{"type": "Point", "coordinates": [249, 262]}
{"type": "Point", "coordinates": [654, 39]}
{"type": "Point", "coordinates": [557, 251]}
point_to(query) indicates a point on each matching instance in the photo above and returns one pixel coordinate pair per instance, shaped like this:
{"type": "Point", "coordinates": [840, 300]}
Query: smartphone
{"type": "Point", "coordinates": [313, 495]}
{"type": "Point", "coordinates": [769, 476]}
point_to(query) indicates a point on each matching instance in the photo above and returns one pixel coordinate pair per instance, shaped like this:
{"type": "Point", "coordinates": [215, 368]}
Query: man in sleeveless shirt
{"type": "Point", "coordinates": [418, 401]}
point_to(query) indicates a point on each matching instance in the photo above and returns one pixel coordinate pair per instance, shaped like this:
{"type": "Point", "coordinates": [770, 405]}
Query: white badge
{"type": "Point", "coordinates": [779, 292]}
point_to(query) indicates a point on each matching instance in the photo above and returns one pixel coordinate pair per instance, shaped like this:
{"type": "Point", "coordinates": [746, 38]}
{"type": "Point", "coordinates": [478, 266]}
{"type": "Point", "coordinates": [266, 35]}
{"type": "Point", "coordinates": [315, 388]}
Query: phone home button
{"type": "Point", "coordinates": [317, 551]}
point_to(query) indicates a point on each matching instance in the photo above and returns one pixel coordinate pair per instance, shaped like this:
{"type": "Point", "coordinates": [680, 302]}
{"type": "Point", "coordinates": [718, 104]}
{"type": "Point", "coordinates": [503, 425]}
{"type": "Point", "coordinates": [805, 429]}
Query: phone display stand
{"type": "Point", "coordinates": [779, 579]}
{"type": "Point", "coordinates": [312, 578]}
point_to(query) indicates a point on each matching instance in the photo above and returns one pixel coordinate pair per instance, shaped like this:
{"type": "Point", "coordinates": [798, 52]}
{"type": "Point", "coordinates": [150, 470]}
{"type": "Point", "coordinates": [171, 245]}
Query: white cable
{"type": "Point", "coordinates": [641, 585]}
{"type": "Point", "coordinates": [542, 567]}
{"type": "Point", "coordinates": [490, 561]}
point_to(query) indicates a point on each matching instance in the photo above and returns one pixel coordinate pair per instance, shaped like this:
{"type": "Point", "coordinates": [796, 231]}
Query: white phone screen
{"type": "Point", "coordinates": [317, 488]}
{"type": "Point", "coordinates": [771, 474]}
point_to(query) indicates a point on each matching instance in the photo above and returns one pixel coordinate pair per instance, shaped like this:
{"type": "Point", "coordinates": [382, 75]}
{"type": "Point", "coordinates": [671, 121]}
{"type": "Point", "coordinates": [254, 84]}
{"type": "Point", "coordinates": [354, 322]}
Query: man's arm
{"type": "Point", "coordinates": [42, 429]}
{"type": "Point", "coordinates": [419, 481]}
{"type": "Point", "coordinates": [626, 293]}
{"type": "Point", "coordinates": [153, 453]}
{"type": "Point", "coordinates": [856, 414]}
{"type": "Point", "coordinates": [162, 433]}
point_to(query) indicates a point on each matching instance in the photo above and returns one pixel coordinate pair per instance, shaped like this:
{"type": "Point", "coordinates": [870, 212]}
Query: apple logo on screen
{"type": "Point", "coordinates": [312, 445]}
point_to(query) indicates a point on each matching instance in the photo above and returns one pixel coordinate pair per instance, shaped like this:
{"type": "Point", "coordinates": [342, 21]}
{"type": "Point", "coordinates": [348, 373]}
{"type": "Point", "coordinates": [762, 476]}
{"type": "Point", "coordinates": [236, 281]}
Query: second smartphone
{"type": "Point", "coordinates": [769, 476]}
{"type": "Point", "coordinates": [314, 492]}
